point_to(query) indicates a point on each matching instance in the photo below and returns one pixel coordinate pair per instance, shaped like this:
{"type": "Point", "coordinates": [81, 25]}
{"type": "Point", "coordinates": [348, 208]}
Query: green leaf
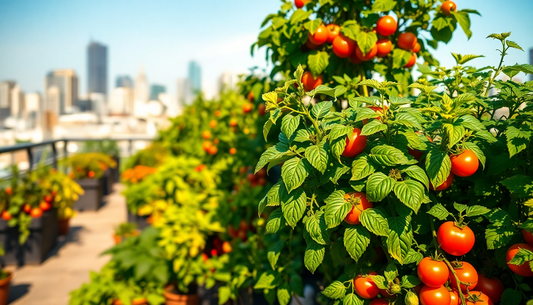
{"type": "Point", "coordinates": [400, 238]}
{"type": "Point", "coordinates": [383, 5]}
{"type": "Point", "coordinates": [470, 122]}
{"type": "Point", "coordinates": [410, 281]}
{"type": "Point", "coordinates": [410, 192]}
{"type": "Point", "coordinates": [362, 168]}
{"type": "Point", "coordinates": [284, 294]}
{"type": "Point", "coordinates": [511, 297]}
{"type": "Point", "coordinates": [335, 290]}
{"type": "Point", "coordinates": [366, 40]}
{"type": "Point", "coordinates": [464, 21]}
{"type": "Point", "coordinates": [294, 206]}
{"type": "Point", "coordinates": [476, 210]}
{"type": "Point", "coordinates": [321, 109]}
{"type": "Point", "coordinates": [387, 155]}
{"type": "Point", "coordinates": [273, 253]}
{"type": "Point", "coordinates": [316, 226]}
{"type": "Point", "coordinates": [439, 211]}
{"type": "Point", "coordinates": [350, 29]}
{"type": "Point", "coordinates": [512, 44]}
{"type": "Point", "coordinates": [275, 221]}
{"type": "Point", "coordinates": [373, 127]}
{"type": "Point", "coordinates": [299, 16]}
{"type": "Point", "coordinates": [336, 208]}
{"type": "Point", "coordinates": [266, 129]}
{"type": "Point", "coordinates": [463, 59]}
{"type": "Point", "coordinates": [317, 156]}
{"type": "Point", "coordinates": [380, 281]}
{"type": "Point", "coordinates": [318, 61]}
{"type": "Point", "coordinates": [273, 152]}
{"type": "Point", "coordinates": [267, 280]}
{"type": "Point", "coordinates": [224, 294]}
{"type": "Point", "coordinates": [519, 185]}
{"type": "Point", "coordinates": [415, 172]}
{"type": "Point", "coordinates": [521, 257]}
{"type": "Point", "coordinates": [289, 124]}
{"type": "Point", "coordinates": [498, 236]}
{"type": "Point", "coordinates": [438, 166]}
{"type": "Point", "coordinates": [356, 240]}
{"type": "Point", "coordinates": [294, 172]}
{"type": "Point", "coordinates": [378, 186]}
{"type": "Point", "coordinates": [375, 221]}
{"type": "Point", "coordinates": [400, 58]}
{"type": "Point", "coordinates": [352, 299]}
{"type": "Point", "coordinates": [312, 25]}
{"type": "Point", "coordinates": [314, 255]}
{"type": "Point", "coordinates": [517, 140]}
{"type": "Point", "coordinates": [338, 131]}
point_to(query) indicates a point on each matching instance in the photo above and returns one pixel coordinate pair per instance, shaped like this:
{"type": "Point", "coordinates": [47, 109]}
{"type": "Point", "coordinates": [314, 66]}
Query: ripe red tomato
{"type": "Point", "coordinates": [528, 236]}
{"type": "Point", "coordinates": [362, 204]}
{"type": "Point", "coordinates": [432, 273]}
{"type": "Point", "coordinates": [416, 49]}
{"type": "Point", "coordinates": [407, 41]}
{"type": "Point", "coordinates": [300, 3]}
{"type": "Point", "coordinates": [434, 296]}
{"type": "Point", "coordinates": [310, 82]}
{"type": "Point", "coordinates": [6, 215]}
{"type": "Point", "coordinates": [247, 107]}
{"type": "Point", "coordinates": [45, 206]}
{"type": "Point", "coordinates": [411, 62]}
{"type": "Point", "coordinates": [213, 123]}
{"type": "Point", "coordinates": [379, 302]}
{"type": "Point", "coordinates": [447, 7]}
{"type": "Point", "coordinates": [48, 198]}
{"type": "Point", "coordinates": [454, 296]}
{"type": "Point", "coordinates": [523, 269]}
{"type": "Point", "coordinates": [492, 287]}
{"type": "Point", "coordinates": [464, 164]}
{"type": "Point", "coordinates": [466, 274]}
{"type": "Point", "coordinates": [212, 150]}
{"type": "Point", "coordinates": [206, 145]}
{"type": "Point", "coordinates": [384, 47]}
{"type": "Point", "coordinates": [320, 36]}
{"type": "Point", "coordinates": [454, 240]}
{"type": "Point", "coordinates": [483, 299]}
{"type": "Point", "coordinates": [343, 46]}
{"type": "Point", "coordinates": [368, 56]}
{"type": "Point", "coordinates": [355, 144]}
{"type": "Point", "coordinates": [250, 97]}
{"type": "Point", "coordinates": [444, 185]}
{"type": "Point", "coordinates": [90, 174]}
{"type": "Point", "coordinates": [232, 123]}
{"type": "Point", "coordinates": [36, 212]}
{"type": "Point", "coordinates": [386, 26]}
{"type": "Point", "coordinates": [232, 151]}
{"type": "Point", "coordinates": [9, 191]}
{"type": "Point", "coordinates": [204, 257]}
{"type": "Point", "coordinates": [365, 287]}
{"type": "Point", "coordinates": [333, 32]}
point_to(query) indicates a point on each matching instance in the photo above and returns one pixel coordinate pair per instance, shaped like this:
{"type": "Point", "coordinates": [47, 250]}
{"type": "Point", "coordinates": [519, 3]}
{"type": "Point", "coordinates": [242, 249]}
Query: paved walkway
{"type": "Point", "coordinates": [74, 256]}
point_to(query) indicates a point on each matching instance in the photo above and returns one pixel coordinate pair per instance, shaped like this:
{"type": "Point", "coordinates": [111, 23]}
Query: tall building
{"type": "Point", "coordinates": [6, 89]}
{"type": "Point", "coordinates": [61, 91]}
{"type": "Point", "coordinates": [141, 93]}
{"type": "Point", "coordinates": [184, 92]}
{"type": "Point", "coordinates": [155, 90]}
{"type": "Point", "coordinates": [97, 68]}
{"type": "Point", "coordinates": [32, 109]}
{"type": "Point", "coordinates": [195, 76]}
{"type": "Point", "coordinates": [124, 81]}
{"type": "Point", "coordinates": [121, 101]}
{"type": "Point", "coordinates": [17, 102]}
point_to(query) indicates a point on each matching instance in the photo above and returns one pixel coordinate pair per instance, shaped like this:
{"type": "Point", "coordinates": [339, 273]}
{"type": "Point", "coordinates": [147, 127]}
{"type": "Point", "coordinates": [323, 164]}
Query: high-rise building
{"type": "Point", "coordinates": [531, 62]}
{"type": "Point", "coordinates": [124, 81]}
{"type": "Point", "coordinates": [195, 76]}
{"type": "Point", "coordinates": [155, 90]}
{"type": "Point", "coordinates": [141, 93]}
{"type": "Point", "coordinates": [6, 89]}
{"type": "Point", "coordinates": [184, 92]}
{"type": "Point", "coordinates": [61, 90]}
{"type": "Point", "coordinates": [32, 109]}
{"type": "Point", "coordinates": [121, 101]}
{"type": "Point", "coordinates": [97, 68]}
{"type": "Point", "coordinates": [17, 102]}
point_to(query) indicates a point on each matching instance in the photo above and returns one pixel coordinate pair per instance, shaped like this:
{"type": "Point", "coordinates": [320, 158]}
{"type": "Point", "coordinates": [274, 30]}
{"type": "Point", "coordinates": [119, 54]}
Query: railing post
{"type": "Point", "coordinates": [65, 151]}
{"type": "Point", "coordinates": [130, 148]}
{"type": "Point", "coordinates": [30, 157]}
{"type": "Point", "coordinates": [54, 154]}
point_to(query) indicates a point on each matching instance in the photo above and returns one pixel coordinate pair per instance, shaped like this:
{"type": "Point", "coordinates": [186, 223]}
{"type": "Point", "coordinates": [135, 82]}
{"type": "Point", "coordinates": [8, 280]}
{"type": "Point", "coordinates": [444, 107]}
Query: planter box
{"type": "Point", "coordinates": [42, 239]}
{"type": "Point", "coordinates": [139, 220]}
{"type": "Point", "coordinates": [92, 199]}
{"type": "Point", "coordinates": [107, 182]}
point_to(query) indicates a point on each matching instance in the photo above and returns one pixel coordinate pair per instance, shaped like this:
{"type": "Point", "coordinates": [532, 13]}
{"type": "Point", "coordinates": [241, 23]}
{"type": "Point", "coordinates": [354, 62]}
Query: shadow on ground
{"type": "Point", "coordinates": [18, 291]}
{"type": "Point", "coordinates": [73, 236]}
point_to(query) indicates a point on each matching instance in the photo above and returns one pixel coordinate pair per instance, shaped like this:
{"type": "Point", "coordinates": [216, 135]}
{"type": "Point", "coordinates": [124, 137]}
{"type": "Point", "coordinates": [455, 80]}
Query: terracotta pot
{"type": "Point", "coordinates": [63, 226]}
{"type": "Point", "coordinates": [171, 298]}
{"type": "Point", "coordinates": [134, 302]}
{"type": "Point", "coordinates": [5, 284]}
{"type": "Point", "coordinates": [117, 239]}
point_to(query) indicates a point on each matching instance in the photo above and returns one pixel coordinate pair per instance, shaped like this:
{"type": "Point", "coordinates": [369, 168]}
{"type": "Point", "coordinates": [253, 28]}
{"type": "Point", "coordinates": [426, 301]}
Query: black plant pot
{"type": "Point", "coordinates": [91, 200]}
{"type": "Point", "coordinates": [42, 239]}
{"type": "Point", "coordinates": [141, 221]}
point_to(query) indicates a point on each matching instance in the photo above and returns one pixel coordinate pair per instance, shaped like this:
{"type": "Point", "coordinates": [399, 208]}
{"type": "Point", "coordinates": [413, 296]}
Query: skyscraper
{"type": "Point", "coordinates": [97, 68]}
{"type": "Point", "coordinates": [155, 90]}
{"type": "Point", "coordinates": [61, 91]}
{"type": "Point", "coordinates": [140, 93]}
{"type": "Point", "coordinates": [195, 76]}
{"type": "Point", "coordinates": [6, 96]}
{"type": "Point", "coordinates": [184, 92]}
{"type": "Point", "coordinates": [124, 81]}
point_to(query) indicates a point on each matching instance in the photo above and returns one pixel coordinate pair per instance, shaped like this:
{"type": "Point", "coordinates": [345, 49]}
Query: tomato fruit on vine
{"type": "Point", "coordinates": [361, 204]}
{"type": "Point", "coordinates": [365, 286]}
{"type": "Point", "coordinates": [309, 82]}
{"type": "Point", "coordinates": [528, 236]}
{"type": "Point", "coordinates": [320, 36]}
{"type": "Point", "coordinates": [434, 296]}
{"type": "Point", "coordinates": [464, 164]}
{"type": "Point", "coordinates": [432, 273]}
{"type": "Point", "coordinates": [9, 191]}
{"type": "Point", "coordinates": [482, 299]}
{"type": "Point", "coordinates": [416, 49]}
{"type": "Point", "coordinates": [407, 41]}
{"type": "Point", "coordinates": [36, 212]}
{"type": "Point", "coordinates": [247, 107]}
{"type": "Point", "coordinates": [447, 7]}
{"type": "Point", "coordinates": [411, 62]}
{"type": "Point", "coordinates": [386, 26]}
{"type": "Point", "coordinates": [233, 123]}
{"type": "Point", "coordinates": [226, 247]}
{"type": "Point", "coordinates": [212, 150]}
{"type": "Point", "coordinates": [379, 302]}
{"type": "Point", "coordinates": [213, 124]}
{"type": "Point", "coordinates": [45, 206]}
{"type": "Point", "coordinates": [355, 144]}
{"type": "Point", "coordinates": [466, 273]}
{"type": "Point", "coordinates": [384, 47]}
{"type": "Point", "coordinates": [368, 56]}
{"type": "Point", "coordinates": [6, 215]}
{"type": "Point", "coordinates": [454, 240]}
{"type": "Point", "coordinates": [232, 151]}
{"type": "Point", "coordinates": [26, 208]}
{"type": "Point", "coordinates": [522, 269]}
{"type": "Point", "coordinates": [300, 3]}
{"type": "Point", "coordinates": [446, 184]}
{"type": "Point", "coordinates": [454, 297]}
{"type": "Point", "coordinates": [492, 287]}
{"type": "Point", "coordinates": [333, 32]}
{"type": "Point", "coordinates": [343, 46]}
{"type": "Point", "coordinates": [206, 134]}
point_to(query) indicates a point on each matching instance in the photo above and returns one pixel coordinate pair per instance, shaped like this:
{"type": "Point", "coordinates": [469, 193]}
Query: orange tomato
{"type": "Point", "coordinates": [343, 46]}
{"type": "Point", "coordinates": [386, 26]}
{"type": "Point", "coordinates": [232, 151]}
{"type": "Point", "coordinates": [384, 46]}
{"type": "Point", "coordinates": [447, 7]}
{"type": "Point", "coordinates": [309, 82]}
{"type": "Point", "coordinates": [368, 56]}
{"type": "Point", "coordinates": [333, 32]}
{"type": "Point", "coordinates": [407, 41]}
{"type": "Point", "coordinates": [320, 36]}
{"type": "Point", "coordinates": [411, 62]}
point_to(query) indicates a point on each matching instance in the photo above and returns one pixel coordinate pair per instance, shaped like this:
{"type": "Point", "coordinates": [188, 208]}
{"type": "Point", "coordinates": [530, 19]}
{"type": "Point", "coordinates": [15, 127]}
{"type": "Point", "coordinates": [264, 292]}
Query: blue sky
{"type": "Point", "coordinates": [163, 35]}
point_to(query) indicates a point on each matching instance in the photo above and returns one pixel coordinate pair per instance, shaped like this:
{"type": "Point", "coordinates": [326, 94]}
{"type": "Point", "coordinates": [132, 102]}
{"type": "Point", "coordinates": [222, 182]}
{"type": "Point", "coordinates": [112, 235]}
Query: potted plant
{"type": "Point", "coordinates": [108, 147]}
{"type": "Point", "coordinates": [88, 169]}
{"type": "Point", "coordinates": [124, 230]}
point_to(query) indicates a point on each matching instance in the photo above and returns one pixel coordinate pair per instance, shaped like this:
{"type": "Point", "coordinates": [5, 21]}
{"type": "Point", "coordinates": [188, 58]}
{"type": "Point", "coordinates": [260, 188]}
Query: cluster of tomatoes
{"type": "Point", "coordinates": [464, 164]}
{"type": "Point", "coordinates": [35, 212]}
{"type": "Point", "coordinates": [208, 146]}
{"type": "Point", "coordinates": [241, 232]}
{"type": "Point", "coordinates": [258, 179]}
{"type": "Point", "coordinates": [79, 170]}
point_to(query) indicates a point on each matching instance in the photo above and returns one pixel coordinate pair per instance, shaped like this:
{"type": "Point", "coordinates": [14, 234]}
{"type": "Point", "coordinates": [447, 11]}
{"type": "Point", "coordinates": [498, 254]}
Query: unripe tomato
{"type": "Point", "coordinates": [454, 296]}
{"type": "Point", "coordinates": [320, 36]}
{"type": "Point", "coordinates": [232, 151]}
{"type": "Point", "coordinates": [482, 299]}
{"type": "Point", "coordinates": [464, 164]}
{"type": "Point", "coordinates": [212, 150]}
{"type": "Point", "coordinates": [45, 206]}
{"type": "Point", "coordinates": [407, 41]}
{"type": "Point", "coordinates": [411, 62]}
{"type": "Point", "coordinates": [343, 46]}
{"type": "Point", "coordinates": [528, 236]}
{"type": "Point", "coordinates": [379, 302]}
{"type": "Point", "coordinates": [523, 269]}
{"type": "Point", "coordinates": [6, 215]}
{"type": "Point", "coordinates": [365, 286]}
{"type": "Point", "coordinates": [309, 82]}
{"type": "Point", "coordinates": [247, 107]}
{"type": "Point", "coordinates": [355, 144]}
{"type": "Point", "coordinates": [300, 3]}
{"type": "Point", "coordinates": [432, 273]}
{"type": "Point", "coordinates": [416, 49]}
{"type": "Point", "coordinates": [434, 296]}
{"type": "Point", "coordinates": [368, 56]}
{"type": "Point", "coordinates": [206, 134]}
{"type": "Point", "coordinates": [361, 204]}
{"type": "Point", "coordinates": [384, 47]}
{"type": "Point", "coordinates": [444, 185]}
{"type": "Point", "coordinates": [492, 287]}
{"type": "Point", "coordinates": [226, 247]}
{"type": "Point", "coordinates": [466, 274]}
{"type": "Point", "coordinates": [386, 26]}
{"type": "Point", "coordinates": [36, 212]}
{"type": "Point", "coordinates": [447, 7]}
{"type": "Point", "coordinates": [213, 124]}
{"type": "Point", "coordinates": [333, 32]}
{"type": "Point", "coordinates": [454, 240]}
